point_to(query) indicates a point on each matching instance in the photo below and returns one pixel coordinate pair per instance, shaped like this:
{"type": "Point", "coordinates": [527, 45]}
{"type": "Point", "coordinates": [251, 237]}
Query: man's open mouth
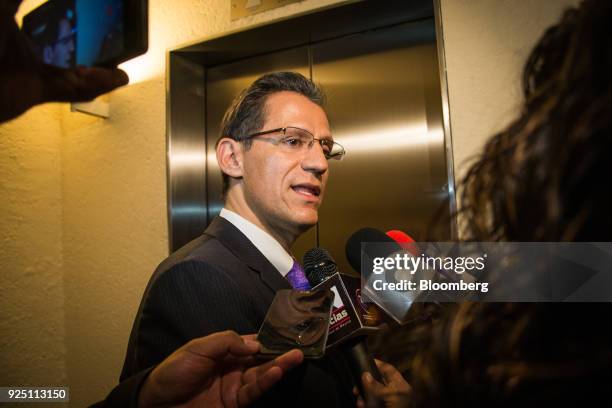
{"type": "Point", "coordinates": [308, 189]}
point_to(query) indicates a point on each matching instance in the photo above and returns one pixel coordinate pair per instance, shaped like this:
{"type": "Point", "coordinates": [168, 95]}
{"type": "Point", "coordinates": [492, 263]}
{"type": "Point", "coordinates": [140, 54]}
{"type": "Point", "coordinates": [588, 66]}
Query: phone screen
{"type": "Point", "coordinates": [297, 320]}
{"type": "Point", "coordinates": [66, 33]}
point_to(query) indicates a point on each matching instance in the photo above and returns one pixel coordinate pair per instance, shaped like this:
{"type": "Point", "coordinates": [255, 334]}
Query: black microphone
{"type": "Point", "coordinates": [353, 248]}
{"type": "Point", "coordinates": [396, 304]}
{"type": "Point", "coordinates": [351, 319]}
{"type": "Point", "coordinates": [395, 240]}
{"type": "Point", "coordinates": [318, 265]}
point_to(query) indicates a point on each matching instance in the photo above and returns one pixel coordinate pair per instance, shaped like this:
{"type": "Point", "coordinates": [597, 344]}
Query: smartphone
{"type": "Point", "coordinates": [68, 33]}
{"type": "Point", "coordinates": [296, 320]}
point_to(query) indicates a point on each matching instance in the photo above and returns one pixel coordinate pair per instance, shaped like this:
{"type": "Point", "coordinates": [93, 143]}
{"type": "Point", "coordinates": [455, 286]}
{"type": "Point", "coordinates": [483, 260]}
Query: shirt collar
{"type": "Point", "coordinates": [264, 242]}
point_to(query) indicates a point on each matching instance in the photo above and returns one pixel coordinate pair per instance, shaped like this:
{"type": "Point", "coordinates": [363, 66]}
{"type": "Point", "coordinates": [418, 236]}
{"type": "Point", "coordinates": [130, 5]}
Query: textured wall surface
{"type": "Point", "coordinates": [32, 349]}
{"type": "Point", "coordinates": [113, 179]}
{"type": "Point", "coordinates": [486, 45]}
{"type": "Point", "coordinates": [84, 199]}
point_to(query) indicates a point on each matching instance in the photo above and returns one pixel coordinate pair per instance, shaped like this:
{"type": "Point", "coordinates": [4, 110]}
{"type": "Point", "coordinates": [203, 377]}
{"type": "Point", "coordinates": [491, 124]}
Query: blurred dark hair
{"type": "Point", "coordinates": [544, 178]}
{"type": "Point", "coordinates": [246, 114]}
{"type": "Point", "coordinates": [515, 355]}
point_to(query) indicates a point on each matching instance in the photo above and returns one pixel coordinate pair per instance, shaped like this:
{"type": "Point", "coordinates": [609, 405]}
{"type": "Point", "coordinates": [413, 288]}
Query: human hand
{"type": "Point", "coordinates": [25, 81]}
{"type": "Point", "coordinates": [216, 370]}
{"type": "Point", "coordinates": [394, 394]}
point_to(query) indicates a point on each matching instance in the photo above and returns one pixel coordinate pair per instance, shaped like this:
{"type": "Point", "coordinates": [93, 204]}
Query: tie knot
{"type": "Point", "coordinates": [297, 277]}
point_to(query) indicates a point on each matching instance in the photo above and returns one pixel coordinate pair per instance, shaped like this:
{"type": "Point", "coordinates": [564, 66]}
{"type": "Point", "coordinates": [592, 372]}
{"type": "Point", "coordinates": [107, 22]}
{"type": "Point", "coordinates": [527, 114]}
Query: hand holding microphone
{"type": "Point", "coordinates": [395, 390]}
{"type": "Point", "coordinates": [394, 393]}
{"type": "Point", "coordinates": [216, 370]}
{"type": "Point", "coordinates": [350, 319]}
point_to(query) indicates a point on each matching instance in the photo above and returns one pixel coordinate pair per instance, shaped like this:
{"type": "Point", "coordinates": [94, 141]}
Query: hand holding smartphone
{"type": "Point", "coordinates": [26, 81]}
{"type": "Point", "coordinates": [103, 33]}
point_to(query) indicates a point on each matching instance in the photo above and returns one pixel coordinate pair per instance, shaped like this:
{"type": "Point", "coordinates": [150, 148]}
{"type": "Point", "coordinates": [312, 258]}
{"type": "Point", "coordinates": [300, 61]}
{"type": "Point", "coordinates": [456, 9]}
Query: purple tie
{"type": "Point", "coordinates": [297, 277]}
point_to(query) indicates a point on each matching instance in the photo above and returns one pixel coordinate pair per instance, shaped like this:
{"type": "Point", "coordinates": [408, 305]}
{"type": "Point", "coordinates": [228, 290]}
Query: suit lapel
{"type": "Point", "coordinates": [232, 238]}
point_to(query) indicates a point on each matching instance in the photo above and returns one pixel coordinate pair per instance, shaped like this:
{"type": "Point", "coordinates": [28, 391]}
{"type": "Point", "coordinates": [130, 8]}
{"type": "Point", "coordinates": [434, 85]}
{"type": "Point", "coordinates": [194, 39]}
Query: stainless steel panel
{"type": "Point", "coordinates": [385, 107]}
{"type": "Point", "coordinates": [186, 151]}
{"type": "Point", "coordinates": [226, 81]}
{"type": "Point", "coordinates": [450, 167]}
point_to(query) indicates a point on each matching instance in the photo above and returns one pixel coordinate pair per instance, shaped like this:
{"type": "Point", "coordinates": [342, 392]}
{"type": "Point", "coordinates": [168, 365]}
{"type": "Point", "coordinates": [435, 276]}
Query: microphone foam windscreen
{"type": "Point", "coordinates": [318, 265]}
{"type": "Point", "coordinates": [353, 245]}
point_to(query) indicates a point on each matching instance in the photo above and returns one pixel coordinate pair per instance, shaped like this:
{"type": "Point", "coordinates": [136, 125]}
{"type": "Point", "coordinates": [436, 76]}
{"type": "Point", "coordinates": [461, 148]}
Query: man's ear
{"type": "Point", "coordinates": [229, 157]}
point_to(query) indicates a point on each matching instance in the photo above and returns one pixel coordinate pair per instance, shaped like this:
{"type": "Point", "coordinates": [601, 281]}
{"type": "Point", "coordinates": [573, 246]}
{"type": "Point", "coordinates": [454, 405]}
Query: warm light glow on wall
{"type": "Point", "coordinates": [164, 34]}
{"type": "Point", "coordinates": [146, 67]}
{"type": "Point", "coordinates": [26, 7]}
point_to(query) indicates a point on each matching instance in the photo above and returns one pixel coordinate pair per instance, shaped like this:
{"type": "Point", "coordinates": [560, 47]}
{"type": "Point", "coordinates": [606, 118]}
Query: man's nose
{"type": "Point", "coordinates": [314, 159]}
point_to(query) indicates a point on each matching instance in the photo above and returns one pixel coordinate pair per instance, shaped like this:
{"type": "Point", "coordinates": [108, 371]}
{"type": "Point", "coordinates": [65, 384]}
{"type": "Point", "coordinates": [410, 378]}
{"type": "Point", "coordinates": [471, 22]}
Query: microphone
{"type": "Point", "coordinates": [396, 304]}
{"type": "Point", "coordinates": [409, 244]}
{"type": "Point", "coordinates": [399, 236]}
{"type": "Point", "coordinates": [404, 240]}
{"type": "Point", "coordinates": [351, 320]}
{"type": "Point", "coordinates": [351, 317]}
{"type": "Point", "coordinates": [318, 265]}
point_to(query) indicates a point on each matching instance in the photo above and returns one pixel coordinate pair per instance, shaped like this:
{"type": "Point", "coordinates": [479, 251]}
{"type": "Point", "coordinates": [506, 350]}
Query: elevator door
{"type": "Point", "coordinates": [384, 107]}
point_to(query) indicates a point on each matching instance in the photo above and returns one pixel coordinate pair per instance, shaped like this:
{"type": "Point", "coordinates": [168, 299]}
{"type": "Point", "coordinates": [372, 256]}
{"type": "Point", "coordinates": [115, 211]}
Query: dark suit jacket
{"type": "Point", "coordinates": [220, 281]}
{"type": "Point", "coordinates": [126, 393]}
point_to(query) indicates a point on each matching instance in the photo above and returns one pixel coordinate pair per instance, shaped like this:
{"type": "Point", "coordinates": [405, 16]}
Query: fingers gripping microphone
{"type": "Point", "coordinates": [351, 320]}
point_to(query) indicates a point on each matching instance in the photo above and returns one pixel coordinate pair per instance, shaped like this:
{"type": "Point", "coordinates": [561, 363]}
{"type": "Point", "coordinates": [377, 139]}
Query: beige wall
{"type": "Point", "coordinates": [32, 349]}
{"type": "Point", "coordinates": [486, 45]}
{"type": "Point", "coordinates": [113, 195]}
{"type": "Point", "coordinates": [32, 333]}
{"type": "Point", "coordinates": [84, 199]}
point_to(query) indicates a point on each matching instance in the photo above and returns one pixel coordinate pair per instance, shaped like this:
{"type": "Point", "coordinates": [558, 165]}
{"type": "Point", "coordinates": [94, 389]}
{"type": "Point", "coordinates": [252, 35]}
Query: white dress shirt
{"type": "Point", "coordinates": [264, 242]}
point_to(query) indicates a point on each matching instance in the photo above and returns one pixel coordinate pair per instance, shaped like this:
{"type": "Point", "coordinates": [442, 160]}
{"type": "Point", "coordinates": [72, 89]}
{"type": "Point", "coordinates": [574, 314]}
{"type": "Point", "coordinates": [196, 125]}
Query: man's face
{"type": "Point", "coordinates": [285, 189]}
{"type": "Point", "coordinates": [62, 52]}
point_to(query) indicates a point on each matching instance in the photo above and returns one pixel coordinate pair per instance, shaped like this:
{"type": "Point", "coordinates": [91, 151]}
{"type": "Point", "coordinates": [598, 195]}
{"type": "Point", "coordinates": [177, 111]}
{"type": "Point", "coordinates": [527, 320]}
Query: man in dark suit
{"type": "Point", "coordinates": [273, 154]}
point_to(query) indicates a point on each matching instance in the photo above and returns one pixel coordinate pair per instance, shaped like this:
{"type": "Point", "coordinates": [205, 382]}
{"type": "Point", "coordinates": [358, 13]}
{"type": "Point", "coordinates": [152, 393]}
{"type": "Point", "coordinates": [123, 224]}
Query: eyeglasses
{"type": "Point", "coordinates": [296, 140]}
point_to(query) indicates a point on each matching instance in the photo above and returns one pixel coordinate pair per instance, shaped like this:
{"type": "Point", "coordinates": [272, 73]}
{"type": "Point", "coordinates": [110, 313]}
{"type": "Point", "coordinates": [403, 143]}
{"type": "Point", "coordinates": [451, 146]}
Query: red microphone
{"type": "Point", "coordinates": [409, 244]}
{"type": "Point", "coordinates": [404, 240]}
